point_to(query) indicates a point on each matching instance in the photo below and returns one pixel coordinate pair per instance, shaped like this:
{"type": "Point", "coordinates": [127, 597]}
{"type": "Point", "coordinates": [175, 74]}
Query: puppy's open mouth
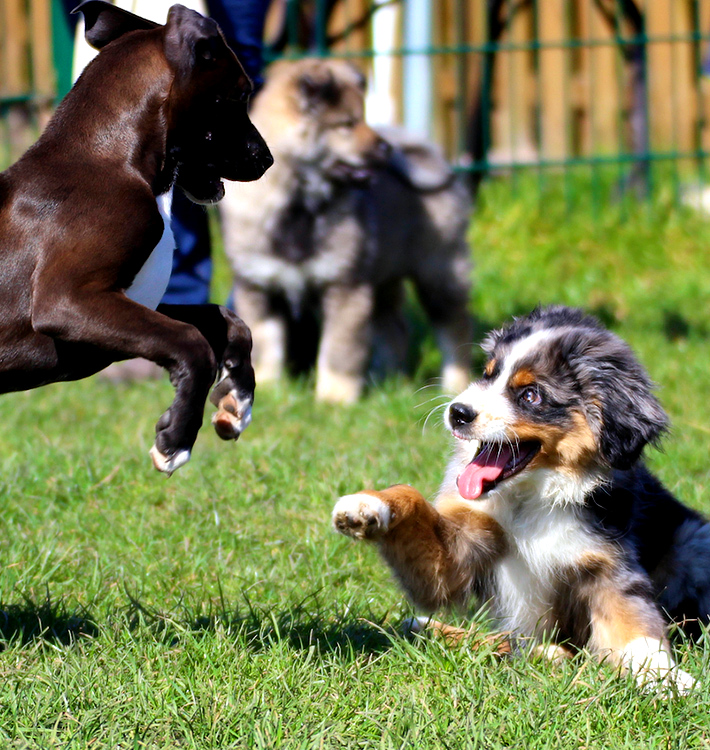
{"type": "Point", "coordinates": [494, 463]}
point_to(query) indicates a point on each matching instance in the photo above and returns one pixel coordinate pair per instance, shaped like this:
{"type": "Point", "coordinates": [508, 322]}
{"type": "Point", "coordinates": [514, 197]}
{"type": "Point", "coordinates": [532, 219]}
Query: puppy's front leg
{"type": "Point", "coordinates": [437, 556]}
{"type": "Point", "coordinates": [629, 631]}
{"type": "Point", "coordinates": [345, 343]}
{"type": "Point", "coordinates": [268, 330]}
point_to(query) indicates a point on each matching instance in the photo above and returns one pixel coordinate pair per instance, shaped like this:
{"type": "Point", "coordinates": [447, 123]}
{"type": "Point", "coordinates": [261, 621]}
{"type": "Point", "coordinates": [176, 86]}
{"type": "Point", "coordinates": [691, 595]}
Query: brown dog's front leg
{"type": "Point", "coordinates": [230, 340]}
{"type": "Point", "coordinates": [437, 556]}
{"type": "Point", "coordinates": [122, 329]}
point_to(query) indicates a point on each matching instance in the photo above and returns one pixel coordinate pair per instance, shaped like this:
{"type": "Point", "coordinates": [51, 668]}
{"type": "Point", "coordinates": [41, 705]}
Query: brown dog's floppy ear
{"type": "Point", "coordinates": [190, 39]}
{"type": "Point", "coordinates": [105, 22]}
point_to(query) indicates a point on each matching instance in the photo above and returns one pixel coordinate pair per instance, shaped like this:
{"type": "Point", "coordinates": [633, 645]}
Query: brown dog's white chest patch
{"type": "Point", "coordinates": [151, 281]}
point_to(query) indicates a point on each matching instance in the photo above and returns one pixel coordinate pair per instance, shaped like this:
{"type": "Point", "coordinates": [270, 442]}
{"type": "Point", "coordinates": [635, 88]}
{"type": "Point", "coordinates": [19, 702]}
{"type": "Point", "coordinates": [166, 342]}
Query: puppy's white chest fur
{"type": "Point", "coordinates": [544, 543]}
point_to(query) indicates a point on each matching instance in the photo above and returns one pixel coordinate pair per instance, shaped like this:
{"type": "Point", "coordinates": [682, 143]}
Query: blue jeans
{"type": "Point", "coordinates": [242, 22]}
{"type": "Point", "coordinates": [192, 262]}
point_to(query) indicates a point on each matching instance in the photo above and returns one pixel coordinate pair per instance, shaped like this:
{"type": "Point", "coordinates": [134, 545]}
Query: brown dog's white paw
{"type": "Point", "coordinates": [233, 413]}
{"type": "Point", "coordinates": [169, 464]}
{"type": "Point", "coordinates": [361, 516]}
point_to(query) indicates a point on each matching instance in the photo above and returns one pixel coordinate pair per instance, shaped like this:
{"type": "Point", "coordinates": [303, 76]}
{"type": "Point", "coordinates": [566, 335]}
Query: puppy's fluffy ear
{"type": "Point", "coordinates": [627, 413]}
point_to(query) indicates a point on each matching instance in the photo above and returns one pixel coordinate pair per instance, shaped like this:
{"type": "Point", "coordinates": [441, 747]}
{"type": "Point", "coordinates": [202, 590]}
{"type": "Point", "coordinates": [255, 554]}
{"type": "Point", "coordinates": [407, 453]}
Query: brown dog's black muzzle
{"type": "Point", "coordinates": [254, 160]}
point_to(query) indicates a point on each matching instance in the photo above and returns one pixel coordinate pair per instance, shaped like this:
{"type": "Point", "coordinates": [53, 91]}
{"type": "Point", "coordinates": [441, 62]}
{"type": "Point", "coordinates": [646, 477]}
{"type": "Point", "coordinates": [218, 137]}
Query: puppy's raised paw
{"type": "Point", "coordinates": [361, 516]}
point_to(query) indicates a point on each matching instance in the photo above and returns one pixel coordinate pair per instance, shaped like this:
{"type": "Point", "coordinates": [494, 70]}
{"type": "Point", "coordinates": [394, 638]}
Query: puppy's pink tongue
{"type": "Point", "coordinates": [486, 467]}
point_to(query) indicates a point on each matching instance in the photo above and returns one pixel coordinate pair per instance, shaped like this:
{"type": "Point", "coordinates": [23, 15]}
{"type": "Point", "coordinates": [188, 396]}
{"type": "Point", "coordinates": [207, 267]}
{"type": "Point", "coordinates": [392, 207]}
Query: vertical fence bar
{"type": "Point", "coordinates": [15, 84]}
{"type": "Point", "coordinates": [565, 46]}
{"type": "Point", "coordinates": [511, 79]}
{"type": "Point", "coordinates": [701, 121]}
{"type": "Point", "coordinates": [320, 30]}
{"type": "Point", "coordinates": [645, 126]}
{"type": "Point", "coordinates": [14, 70]}
{"type": "Point", "coordinates": [619, 68]}
{"type": "Point", "coordinates": [535, 43]}
{"type": "Point", "coordinates": [43, 79]}
{"type": "Point", "coordinates": [418, 99]}
{"type": "Point", "coordinates": [382, 100]}
{"type": "Point", "coordinates": [676, 98]}
{"type": "Point", "coordinates": [461, 79]}
{"type": "Point", "coordinates": [487, 61]}
{"type": "Point", "coordinates": [590, 137]}
{"type": "Point", "coordinates": [552, 79]}
{"type": "Point", "coordinates": [292, 34]}
{"type": "Point", "coordinates": [62, 48]}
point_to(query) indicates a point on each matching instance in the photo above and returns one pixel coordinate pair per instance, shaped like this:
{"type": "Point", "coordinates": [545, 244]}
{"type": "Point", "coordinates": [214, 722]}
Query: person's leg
{"type": "Point", "coordinates": [242, 22]}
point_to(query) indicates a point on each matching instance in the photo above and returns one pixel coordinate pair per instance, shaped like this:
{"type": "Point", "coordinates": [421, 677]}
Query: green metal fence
{"type": "Point", "coordinates": [608, 94]}
{"type": "Point", "coordinates": [613, 93]}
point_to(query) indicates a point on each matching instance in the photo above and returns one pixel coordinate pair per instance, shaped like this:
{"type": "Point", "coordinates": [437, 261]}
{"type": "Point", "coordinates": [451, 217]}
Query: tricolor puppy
{"type": "Point", "coordinates": [546, 511]}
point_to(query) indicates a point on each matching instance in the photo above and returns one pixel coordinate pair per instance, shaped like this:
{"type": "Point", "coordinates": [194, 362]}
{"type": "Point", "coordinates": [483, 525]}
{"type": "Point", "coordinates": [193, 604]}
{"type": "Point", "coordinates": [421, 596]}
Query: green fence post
{"type": "Point", "coordinates": [62, 48]}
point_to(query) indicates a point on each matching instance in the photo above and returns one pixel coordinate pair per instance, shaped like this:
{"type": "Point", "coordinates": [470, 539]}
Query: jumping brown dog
{"type": "Point", "coordinates": [160, 105]}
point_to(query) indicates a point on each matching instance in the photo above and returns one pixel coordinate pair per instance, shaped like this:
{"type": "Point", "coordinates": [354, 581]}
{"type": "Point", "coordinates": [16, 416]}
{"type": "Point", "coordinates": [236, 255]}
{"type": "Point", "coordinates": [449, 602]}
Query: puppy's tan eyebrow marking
{"type": "Point", "coordinates": [522, 377]}
{"type": "Point", "coordinates": [490, 367]}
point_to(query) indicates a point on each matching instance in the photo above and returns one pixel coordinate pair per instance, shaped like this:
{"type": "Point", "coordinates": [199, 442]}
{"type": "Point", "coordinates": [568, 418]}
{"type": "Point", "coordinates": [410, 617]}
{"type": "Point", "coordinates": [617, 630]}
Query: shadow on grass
{"type": "Point", "coordinates": [344, 635]}
{"type": "Point", "coordinates": [46, 620]}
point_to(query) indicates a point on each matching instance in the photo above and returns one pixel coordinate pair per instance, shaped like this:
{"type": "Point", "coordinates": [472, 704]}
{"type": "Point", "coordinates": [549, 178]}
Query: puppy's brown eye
{"type": "Point", "coordinates": [531, 396]}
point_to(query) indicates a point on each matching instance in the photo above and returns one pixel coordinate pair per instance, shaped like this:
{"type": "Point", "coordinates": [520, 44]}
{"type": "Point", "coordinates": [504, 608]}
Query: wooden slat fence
{"type": "Point", "coordinates": [515, 82]}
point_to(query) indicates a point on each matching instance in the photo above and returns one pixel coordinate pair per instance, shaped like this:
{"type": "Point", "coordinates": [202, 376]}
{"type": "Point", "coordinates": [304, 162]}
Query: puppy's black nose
{"type": "Point", "coordinates": [460, 414]}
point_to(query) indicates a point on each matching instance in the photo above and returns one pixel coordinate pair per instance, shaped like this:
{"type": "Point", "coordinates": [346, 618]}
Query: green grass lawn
{"type": "Point", "coordinates": [217, 609]}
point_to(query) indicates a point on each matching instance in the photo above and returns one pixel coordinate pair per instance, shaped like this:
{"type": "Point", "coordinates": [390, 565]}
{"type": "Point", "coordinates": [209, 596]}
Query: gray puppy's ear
{"type": "Point", "coordinates": [104, 22]}
{"type": "Point", "coordinates": [318, 87]}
